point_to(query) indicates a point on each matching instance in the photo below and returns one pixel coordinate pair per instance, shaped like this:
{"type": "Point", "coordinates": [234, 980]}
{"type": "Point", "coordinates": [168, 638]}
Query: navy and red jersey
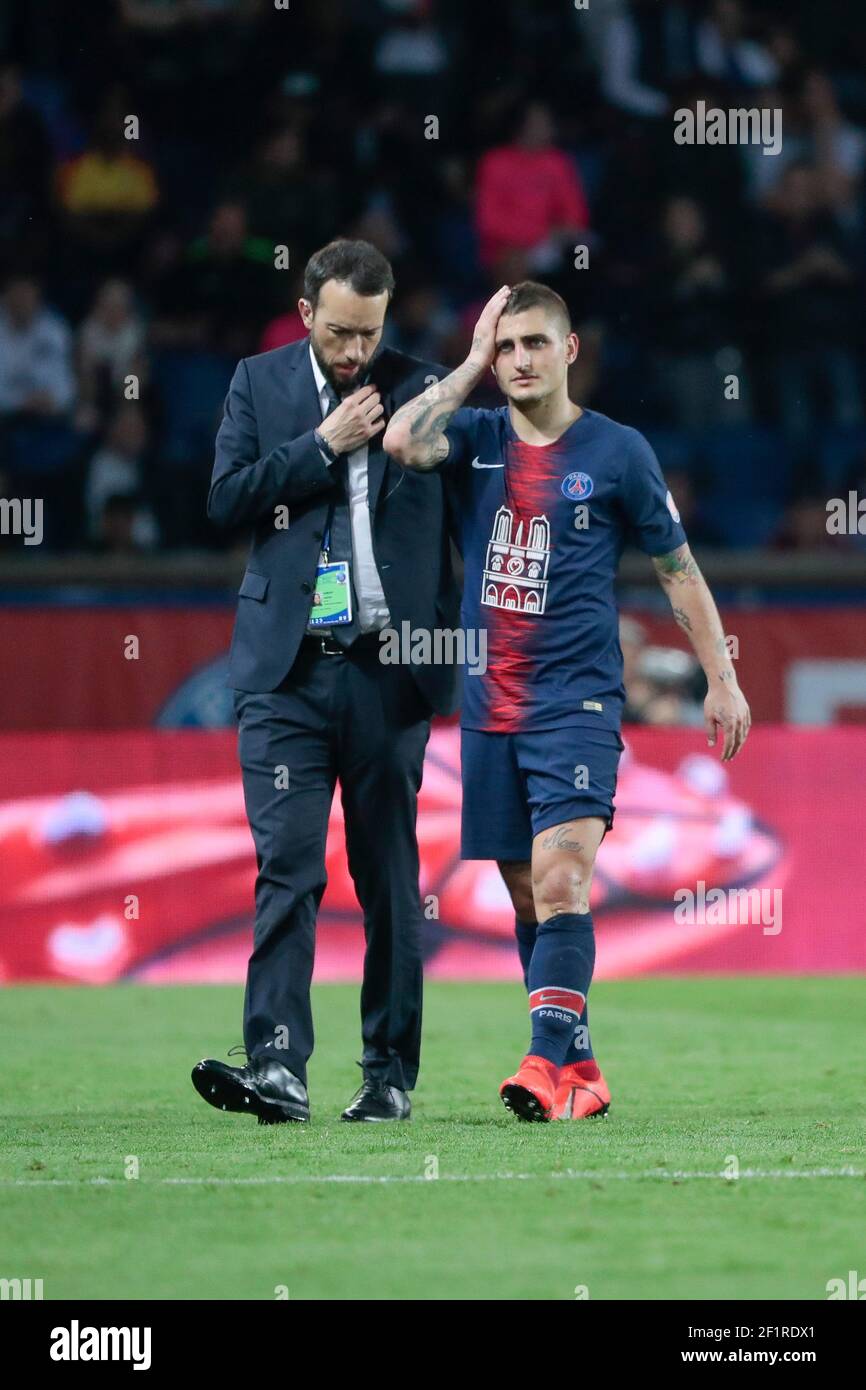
{"type": "Point", "coordinates": [543, 528]}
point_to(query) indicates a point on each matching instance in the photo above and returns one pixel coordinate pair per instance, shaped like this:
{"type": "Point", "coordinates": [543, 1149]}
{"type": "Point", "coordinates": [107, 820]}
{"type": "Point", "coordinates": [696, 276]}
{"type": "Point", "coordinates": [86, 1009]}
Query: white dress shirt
{"type": "Point", "coordinates": [373, 611]}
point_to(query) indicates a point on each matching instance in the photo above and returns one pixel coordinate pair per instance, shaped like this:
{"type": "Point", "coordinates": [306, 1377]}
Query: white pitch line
{"type": "Point", "coordinates": [386, 1179]}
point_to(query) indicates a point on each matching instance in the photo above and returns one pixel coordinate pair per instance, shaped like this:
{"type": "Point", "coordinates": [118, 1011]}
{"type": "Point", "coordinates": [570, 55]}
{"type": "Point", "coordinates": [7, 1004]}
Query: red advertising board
{"type": "Point", "coordinates": [128, 855]}
{"type": "Point", "coordinates": [75, 668]}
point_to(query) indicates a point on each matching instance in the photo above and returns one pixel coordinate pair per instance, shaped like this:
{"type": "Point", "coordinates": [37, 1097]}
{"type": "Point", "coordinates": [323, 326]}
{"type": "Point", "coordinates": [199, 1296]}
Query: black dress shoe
{"type": "Point", "coordinates": [376, 1100]}
{"type": "Point", "coordinates": [264, 1088]}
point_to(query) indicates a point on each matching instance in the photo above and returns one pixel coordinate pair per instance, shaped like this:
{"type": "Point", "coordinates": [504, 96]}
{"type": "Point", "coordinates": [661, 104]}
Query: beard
{"type": "Point", "coordinates": [342, 385]}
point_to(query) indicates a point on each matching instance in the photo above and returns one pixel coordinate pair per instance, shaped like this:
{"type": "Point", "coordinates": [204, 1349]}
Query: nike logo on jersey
{"type": "Point", "coordinates": [476, 463]}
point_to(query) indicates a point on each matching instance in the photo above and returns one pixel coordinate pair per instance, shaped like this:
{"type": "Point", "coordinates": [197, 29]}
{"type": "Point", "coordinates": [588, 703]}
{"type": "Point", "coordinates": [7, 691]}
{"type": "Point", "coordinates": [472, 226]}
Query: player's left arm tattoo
{"type": "Point", "coordinates": [677, 568]}
{"type": "Point", "coordinates": [696, 613]}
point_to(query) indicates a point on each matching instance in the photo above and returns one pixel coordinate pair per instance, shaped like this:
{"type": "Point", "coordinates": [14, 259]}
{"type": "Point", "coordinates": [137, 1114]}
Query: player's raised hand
{"type": "Point", "coordinates": [355, 420]}
{"type": "Point", "coordinates": [726, 710]}
{"type": "Point", "coordinates": [483, 347]}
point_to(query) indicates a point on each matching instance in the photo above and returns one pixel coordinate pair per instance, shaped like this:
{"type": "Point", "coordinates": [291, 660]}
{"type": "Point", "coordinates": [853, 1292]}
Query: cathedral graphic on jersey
{"type": "Point", "coordinates": [515, 573]}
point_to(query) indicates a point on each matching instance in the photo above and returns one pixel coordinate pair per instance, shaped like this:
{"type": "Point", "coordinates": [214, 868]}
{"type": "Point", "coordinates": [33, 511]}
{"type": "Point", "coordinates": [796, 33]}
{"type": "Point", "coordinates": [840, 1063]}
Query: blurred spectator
{"type": "Point", "coordinates": [410, 54]}
{"type": "Point", "coordinates": [419, 322]}
{"type": "Point", "coordinates": [117, 468]}
{"type": "Point", "coordinates": [529, 196]}
{"type": "Point", "coordinates": [714, 176]}
{"type": "Point", "coordinates": [160, 252]}
{"type": "Point", "coordinates": [110, 348]}
{"type": "Point", "coordinates": [785, 49]}
{"type": "Point", "coordinates": [726, 53]}
{"type": "Point", "coordinates": [123, 529]}
{"type": "Point", "coordinates": [454, 243]}
{"type": "Point", "coordinates": [835, 145]}
{"type": "Point", "coordinates": [107, 191]}
{"type": "Point", "coordinates": [646, 49]}
{"type": "Point", "coordinates": [286, 201]}
{"type": "Point", "coordinates": [810, 284]}
{"type": "Point", "coordinates": [287, 327]}
{"type": "Point", "coordinates": [764, 173]}
{"type": "Point", "coordinates": [189, 386]}
{"type": "Point", "coordinates": [815, 133]}
{"type": "Point", "coordinates": [380, 223]}
{"type": "Point", "coordinates": [663, 685]}
{"type": "Point", "coordinates": [220, 292]}
{"type": "Point", "coordinates": [693, 323]}
{"type": "Point", "coordinates": [37, 391]}
{"type": "Point", "coordinates": [36, 375]}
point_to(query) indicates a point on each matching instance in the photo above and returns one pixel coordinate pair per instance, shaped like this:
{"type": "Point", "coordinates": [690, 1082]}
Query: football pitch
{"type": "Point", "coordinates": [761, 1076]}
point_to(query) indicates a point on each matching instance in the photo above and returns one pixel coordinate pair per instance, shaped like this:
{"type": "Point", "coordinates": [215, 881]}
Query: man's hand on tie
{"type": "Point", "coordinates": [355, 420]}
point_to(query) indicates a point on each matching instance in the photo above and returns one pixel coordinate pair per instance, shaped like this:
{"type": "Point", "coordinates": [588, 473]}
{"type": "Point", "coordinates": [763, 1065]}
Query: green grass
{"type": "Point", "coordinates": [769, 1070]}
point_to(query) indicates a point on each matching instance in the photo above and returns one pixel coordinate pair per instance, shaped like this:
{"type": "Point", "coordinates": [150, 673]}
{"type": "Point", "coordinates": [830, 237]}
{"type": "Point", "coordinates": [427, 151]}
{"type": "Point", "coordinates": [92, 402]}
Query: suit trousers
{"type": "Point", "coordinates": [350, 718]}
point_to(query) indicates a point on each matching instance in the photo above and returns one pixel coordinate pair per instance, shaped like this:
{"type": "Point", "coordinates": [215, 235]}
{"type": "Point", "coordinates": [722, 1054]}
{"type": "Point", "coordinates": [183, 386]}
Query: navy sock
{"type": "Point", "coordinates": [525, 933]}
{"type": "Point", "coordinates": [560, 973]}
{"type": "Point", "coordinates": [580, 1047]}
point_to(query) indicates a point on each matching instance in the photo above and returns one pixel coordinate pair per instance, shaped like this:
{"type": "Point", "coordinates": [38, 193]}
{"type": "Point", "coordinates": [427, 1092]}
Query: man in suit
{"type": "Point", "coordinates": [345, 544]}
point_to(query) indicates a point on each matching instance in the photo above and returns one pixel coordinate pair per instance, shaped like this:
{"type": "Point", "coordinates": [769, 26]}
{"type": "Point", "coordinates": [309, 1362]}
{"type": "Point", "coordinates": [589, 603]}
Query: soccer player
{"type": "Point", "coordinates": [548, 494]}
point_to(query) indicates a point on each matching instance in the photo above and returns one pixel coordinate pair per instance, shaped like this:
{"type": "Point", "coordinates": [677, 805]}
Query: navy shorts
{"type": "Point", "coordinates": [516, 785]}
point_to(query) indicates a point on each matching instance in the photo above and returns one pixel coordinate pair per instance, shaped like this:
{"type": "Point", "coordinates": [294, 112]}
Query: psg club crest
{"type": "Point", "coordinates": [577, 486]}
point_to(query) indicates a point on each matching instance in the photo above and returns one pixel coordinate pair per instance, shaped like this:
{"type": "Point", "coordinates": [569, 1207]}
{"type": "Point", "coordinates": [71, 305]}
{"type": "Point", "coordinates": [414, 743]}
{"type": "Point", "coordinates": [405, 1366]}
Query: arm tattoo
{"type": "Point", "coordinates": [679, 573]}
{"type": "Point", "coordinates": [425, 428]}
{"type": "Point", "coordinates": [677, 567]}
{"type": "Point", "coordinates": [429, 414]}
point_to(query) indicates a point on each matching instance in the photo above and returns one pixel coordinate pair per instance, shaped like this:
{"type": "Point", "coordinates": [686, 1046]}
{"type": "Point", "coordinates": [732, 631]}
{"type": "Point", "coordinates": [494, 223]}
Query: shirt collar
{"type": "Point", "coordinates": [318, 374]}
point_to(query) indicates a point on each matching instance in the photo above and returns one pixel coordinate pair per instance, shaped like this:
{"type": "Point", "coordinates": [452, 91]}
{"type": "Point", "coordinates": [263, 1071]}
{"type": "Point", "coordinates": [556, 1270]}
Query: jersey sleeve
{"type": "Point", "coordinates": [462, 436]}
{"type": "Point", "coordinates": [650, 509]}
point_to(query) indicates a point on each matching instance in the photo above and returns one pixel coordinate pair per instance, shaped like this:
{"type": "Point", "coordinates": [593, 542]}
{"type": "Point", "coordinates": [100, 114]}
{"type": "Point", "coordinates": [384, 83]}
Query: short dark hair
{"type": "Point", "coordinates": [531, 294]}
{"type": "Point", "coordinates": [354, 263]}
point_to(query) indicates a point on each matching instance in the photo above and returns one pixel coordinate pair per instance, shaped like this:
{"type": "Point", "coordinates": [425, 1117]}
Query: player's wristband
{"type": "Point", "coordinates": [327, 449]}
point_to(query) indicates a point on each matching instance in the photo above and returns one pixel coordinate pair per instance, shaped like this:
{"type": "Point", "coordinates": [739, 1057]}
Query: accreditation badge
{"type": "Point", "coordinates": [332, 599]}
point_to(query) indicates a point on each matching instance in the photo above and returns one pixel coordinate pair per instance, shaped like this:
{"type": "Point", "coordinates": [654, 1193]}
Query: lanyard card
{"type": "Point", "coordinates": [332, 600]}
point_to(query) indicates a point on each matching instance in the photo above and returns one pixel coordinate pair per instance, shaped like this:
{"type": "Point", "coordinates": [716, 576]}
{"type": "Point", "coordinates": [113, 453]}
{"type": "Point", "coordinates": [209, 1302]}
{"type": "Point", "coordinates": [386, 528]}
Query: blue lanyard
{"type": "Point", "coordinates": [326, 536]}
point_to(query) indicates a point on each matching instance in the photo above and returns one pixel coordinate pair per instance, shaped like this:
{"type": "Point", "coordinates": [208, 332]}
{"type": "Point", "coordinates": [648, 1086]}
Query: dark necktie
{"type": "Point", "coordinates": [341, 530]}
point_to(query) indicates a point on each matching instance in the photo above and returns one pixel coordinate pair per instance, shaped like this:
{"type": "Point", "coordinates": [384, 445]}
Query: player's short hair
{"type": "Point", "coordinates": [531, 294]}
{"type": "Point", "coordinates": [357, 264]}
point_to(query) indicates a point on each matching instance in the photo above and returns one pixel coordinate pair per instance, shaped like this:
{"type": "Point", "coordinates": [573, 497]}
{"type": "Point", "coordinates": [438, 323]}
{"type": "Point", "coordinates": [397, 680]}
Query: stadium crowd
{"type": "Point", "coordinates": [717, 298]}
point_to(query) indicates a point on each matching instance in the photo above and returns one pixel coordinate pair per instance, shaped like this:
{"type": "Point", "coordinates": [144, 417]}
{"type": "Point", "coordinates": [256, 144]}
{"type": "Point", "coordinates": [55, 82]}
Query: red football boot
{"type": "Point", "coordinates": [577, 1098]}
{"type": "Point", "coordinates": [530, 1094]}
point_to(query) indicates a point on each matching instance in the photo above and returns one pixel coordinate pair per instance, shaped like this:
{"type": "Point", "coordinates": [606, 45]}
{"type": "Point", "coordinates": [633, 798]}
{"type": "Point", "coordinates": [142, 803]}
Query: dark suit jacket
{"type": "Point", "coordinates": [265, 457]}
